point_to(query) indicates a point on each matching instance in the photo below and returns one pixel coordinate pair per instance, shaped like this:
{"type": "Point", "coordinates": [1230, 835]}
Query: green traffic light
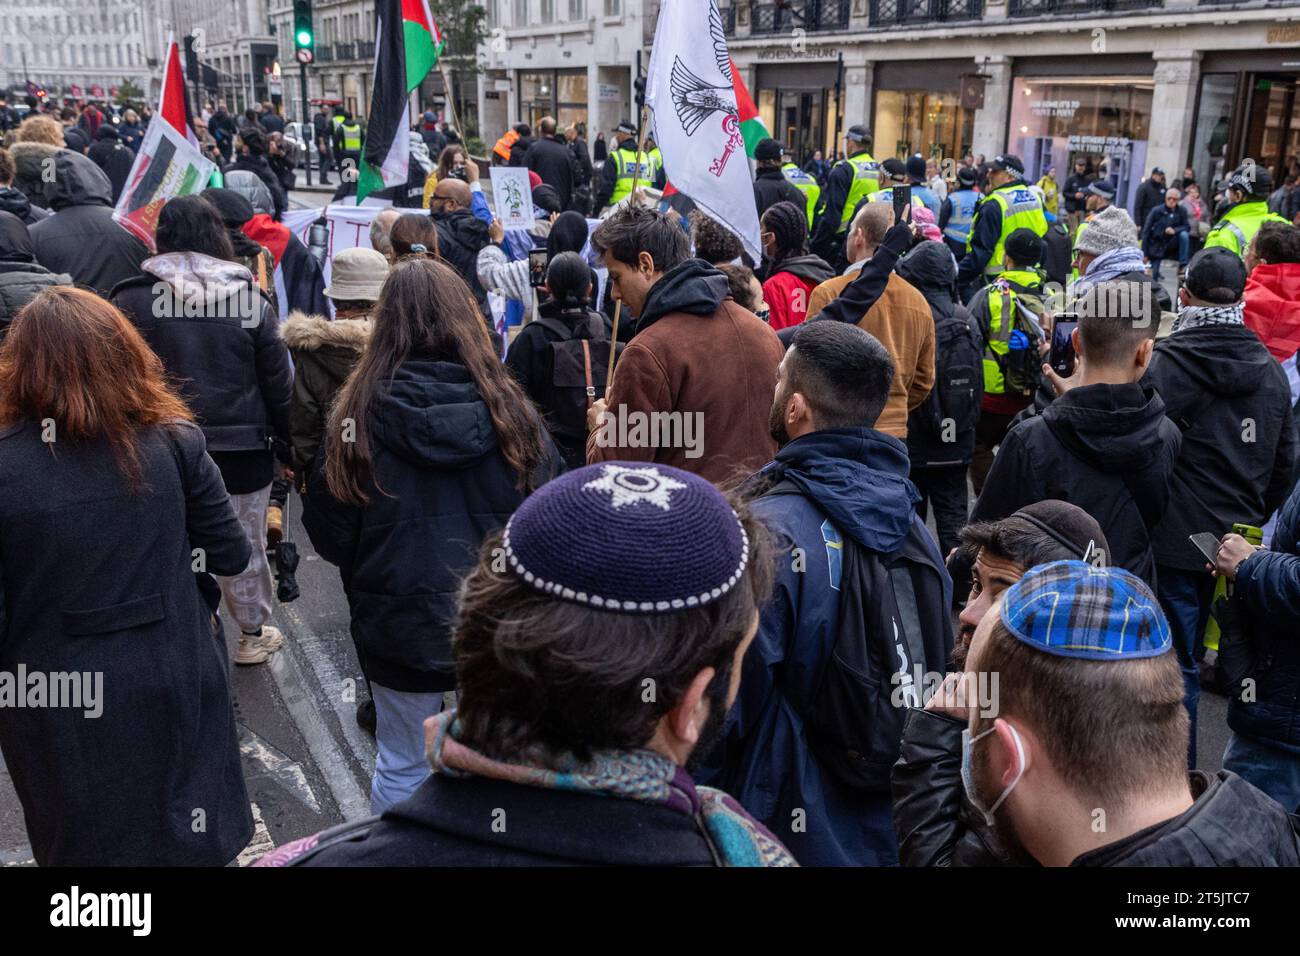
{"type": "Point", "coordinates": [304, 38]}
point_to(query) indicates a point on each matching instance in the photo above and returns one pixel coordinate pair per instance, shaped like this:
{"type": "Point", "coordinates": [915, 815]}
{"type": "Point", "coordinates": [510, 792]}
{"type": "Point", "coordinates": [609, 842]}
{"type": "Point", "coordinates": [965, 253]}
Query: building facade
{"type": "Point", "coordinates": [575, 60]}
{"type": "Point", "coordinates": [81, 49]}
{"type": "Point", "coordinates": [1128, 84]}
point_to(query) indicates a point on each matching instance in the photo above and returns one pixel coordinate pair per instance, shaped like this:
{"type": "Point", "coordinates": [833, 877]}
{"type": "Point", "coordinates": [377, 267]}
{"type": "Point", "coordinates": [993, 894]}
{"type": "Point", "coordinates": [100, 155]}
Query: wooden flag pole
{"type": "Point", "coordinates": [636, 179]}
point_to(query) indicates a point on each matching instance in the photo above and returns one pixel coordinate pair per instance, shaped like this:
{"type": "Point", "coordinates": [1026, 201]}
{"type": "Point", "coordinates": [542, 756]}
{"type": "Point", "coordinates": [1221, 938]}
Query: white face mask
{"type": "Point", "coordinates": [967, 774]}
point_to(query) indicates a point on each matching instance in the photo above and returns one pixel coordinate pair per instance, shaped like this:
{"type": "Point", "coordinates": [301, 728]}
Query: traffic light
{"type": "Point", "coordinates": [304, 37]}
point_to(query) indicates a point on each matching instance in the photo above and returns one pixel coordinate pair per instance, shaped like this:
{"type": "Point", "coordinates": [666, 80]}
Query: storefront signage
{"type": "Point", "coordinates": [1282, 34]}
{"type": "Point", "coordinates": [814, 51]}
{"type": "Point", "coordinates": [1062, 108]}
{"type": "Point", "coordinates": [1101, 145]}
{"type": "Point", "coordinates": [610, 92]}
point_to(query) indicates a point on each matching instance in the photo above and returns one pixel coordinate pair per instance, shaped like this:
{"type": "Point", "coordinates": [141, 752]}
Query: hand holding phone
{"type": "Point", "coordinates": [902, 196]}
{"type": "Point", "coordinates": [537, 268]}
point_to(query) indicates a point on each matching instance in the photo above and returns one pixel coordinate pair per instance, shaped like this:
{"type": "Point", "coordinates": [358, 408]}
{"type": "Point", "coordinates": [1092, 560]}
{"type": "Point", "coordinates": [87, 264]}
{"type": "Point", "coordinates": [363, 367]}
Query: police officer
{"type": "Point", "coordinates": [958, 211]}
{"type": "Point", "coordinates": [770, 183]}
{"type": "Point", "coordinates": [1010, 313]}
{"type": "Point", "coordinates": [1247, 191]}
{"type": "Point", "coordinates": [622, 167]}
{"type": "Point", "coordinates": [1099, 195]}
{"type": "Point", "coordinates": [893, 172]}
{"type": "Point", "coordinates": [850, 182]}
{"type": "Point", "coordinates": [336, 120]}
{"type": "Point", "coordinates": [1009, 205]}
{"type": "Point", "coordinates": [347, 143]}
{"type": "Point", "coordinates": [806, 183]}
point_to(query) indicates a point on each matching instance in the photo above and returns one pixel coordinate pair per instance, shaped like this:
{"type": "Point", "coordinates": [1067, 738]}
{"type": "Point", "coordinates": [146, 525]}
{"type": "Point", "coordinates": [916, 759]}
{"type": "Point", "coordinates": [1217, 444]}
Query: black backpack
{"type": "Point", "coordinates": [578, 370]}
{"type": "Point", "coordinates": [893, 630]}
{"type": "Point", "coordinates": [958, 380]}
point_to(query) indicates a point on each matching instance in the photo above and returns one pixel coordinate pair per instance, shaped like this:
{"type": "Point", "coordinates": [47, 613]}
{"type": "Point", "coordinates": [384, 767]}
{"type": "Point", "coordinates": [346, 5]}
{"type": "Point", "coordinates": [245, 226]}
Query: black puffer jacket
{"type": "Point", "coordinates": [82, 239]}
{"type": "Point", "coordinates": [1108, 449]}
{"type": "Point", "coordinates": [1232, 401]}
{"type": "Point", "coordinates": [1230, 823]}
{"type": "Point", "coordinates": [218, 342]}
{"type": "Point", "coordinates": [436, 456]}
{"type": "Point", "coordinates": [461, 237]}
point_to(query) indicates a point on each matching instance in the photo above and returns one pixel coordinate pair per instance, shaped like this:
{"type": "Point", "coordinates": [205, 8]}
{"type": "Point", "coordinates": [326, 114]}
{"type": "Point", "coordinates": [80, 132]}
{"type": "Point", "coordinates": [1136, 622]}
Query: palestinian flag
{"type": "Point", "coordinates": [751, 124]}
{"type": "Point", "coordinates": [408, 44]}
{"type": "Point", "coordinates": [174, 99]}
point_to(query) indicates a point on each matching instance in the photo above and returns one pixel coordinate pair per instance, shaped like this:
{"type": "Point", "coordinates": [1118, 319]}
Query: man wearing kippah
{"type": "Point", "coordinates": [1078, 759]}
{"type": "Point", "coordinates": [598, 645]}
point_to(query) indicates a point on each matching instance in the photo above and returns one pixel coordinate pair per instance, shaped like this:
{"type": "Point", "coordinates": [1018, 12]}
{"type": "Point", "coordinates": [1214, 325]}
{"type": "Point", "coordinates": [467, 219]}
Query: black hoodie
{"type": "Point", "coordinates": [1108, 449]}
{"type": "Point", "coordinates": [461, 237]}
{"type": "Point", "coordinates": [82, 239]}
{"type": "Point", "coordinates": [1232, 402]}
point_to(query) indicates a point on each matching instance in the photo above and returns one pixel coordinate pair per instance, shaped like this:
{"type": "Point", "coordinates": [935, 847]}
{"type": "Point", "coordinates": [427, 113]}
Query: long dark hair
{"type": "Point", "coordinates": [191, 224]}
{"type": "Point", "coordinates": [426, 308]}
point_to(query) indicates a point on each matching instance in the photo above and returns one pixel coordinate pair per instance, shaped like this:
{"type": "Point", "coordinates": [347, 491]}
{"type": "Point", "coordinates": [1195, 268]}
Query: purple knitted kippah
{"type": "Point", "coordinates": [628, 537]}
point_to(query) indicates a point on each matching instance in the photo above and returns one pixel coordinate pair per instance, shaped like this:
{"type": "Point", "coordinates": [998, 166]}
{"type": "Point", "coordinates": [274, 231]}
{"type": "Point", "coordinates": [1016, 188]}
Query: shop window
{"type": "Point", "coordinates": [914, 121]}
{"type": "Point", "coordinates": [1213, 128]}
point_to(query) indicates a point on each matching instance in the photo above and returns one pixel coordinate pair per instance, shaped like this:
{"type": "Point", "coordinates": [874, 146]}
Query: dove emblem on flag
{"type": "Point", "coordinates": [697, 100]}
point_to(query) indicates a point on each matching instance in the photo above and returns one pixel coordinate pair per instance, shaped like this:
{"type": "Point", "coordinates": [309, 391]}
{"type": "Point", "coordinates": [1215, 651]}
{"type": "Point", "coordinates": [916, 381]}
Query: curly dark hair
{"type": "Point", "coordinates": [714, 242]}
{"type": "Point", "coordinates": [553, 681]}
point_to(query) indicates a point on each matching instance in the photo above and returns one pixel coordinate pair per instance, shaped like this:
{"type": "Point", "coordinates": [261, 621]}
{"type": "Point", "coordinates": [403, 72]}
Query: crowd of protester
{"type": "Point", "coordinates": [885, 549]}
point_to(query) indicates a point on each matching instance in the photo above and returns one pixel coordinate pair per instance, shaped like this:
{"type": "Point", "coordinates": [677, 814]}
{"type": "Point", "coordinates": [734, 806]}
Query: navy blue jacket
{"type": "Point", "coordinates": [1269, 582]}
{"type": "Point", "coordinates": [851, 481]}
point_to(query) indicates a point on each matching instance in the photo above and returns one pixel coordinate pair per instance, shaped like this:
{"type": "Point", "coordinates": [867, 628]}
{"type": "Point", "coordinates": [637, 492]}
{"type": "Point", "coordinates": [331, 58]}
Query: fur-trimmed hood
{"type": "Point", "coordinates": [307, 333]}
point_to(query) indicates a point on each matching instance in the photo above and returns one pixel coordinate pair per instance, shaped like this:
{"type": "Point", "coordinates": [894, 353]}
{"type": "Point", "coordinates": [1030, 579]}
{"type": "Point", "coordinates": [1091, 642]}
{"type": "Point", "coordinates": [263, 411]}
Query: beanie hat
{"type": "Point", "coordinates": [1024, 247]}
{"type": "Point", "coordinates": [1109, 229]}
{"type": "Point", "coordinates": [628, 537]}
{"type": "Point", "coordinates": [1073, 609]}
{"type": "Point", "coordinates": [768, 149]}
{"type": "Point", "coordinates": [233, 208]}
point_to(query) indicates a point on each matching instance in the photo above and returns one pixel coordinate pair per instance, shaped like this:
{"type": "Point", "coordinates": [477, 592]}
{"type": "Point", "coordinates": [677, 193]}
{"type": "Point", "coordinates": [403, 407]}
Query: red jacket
{"type": "Point", "coordinates": [787, 297]}
{"type": "Point", "coordinates": [1273, 307]}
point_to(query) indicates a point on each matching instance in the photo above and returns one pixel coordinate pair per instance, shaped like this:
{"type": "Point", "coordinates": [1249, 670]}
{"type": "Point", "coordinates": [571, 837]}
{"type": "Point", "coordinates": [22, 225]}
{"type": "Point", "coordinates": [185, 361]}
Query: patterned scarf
{"type": "Point", "coordinates": [643, 775]}
{"type": "Point", "coordinates": [1195, 316]}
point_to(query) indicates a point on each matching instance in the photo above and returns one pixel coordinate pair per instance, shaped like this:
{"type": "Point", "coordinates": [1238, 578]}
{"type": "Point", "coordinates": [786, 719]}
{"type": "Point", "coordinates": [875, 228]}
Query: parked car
{"type": "Point", "coordinates": [293, 132]}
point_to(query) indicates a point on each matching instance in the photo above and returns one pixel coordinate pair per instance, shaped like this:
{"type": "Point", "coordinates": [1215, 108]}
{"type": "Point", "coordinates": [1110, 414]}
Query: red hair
{"type": "Point", "coordinates": [71, 358]}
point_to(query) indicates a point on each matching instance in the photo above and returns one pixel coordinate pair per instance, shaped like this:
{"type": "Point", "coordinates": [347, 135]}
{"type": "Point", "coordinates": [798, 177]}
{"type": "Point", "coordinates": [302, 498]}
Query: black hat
{"type": "Point", "coordinates": [1157, 169]}
{"type": "Point", "coordinates": [916, 166]}
{"type": "Point", "coordinates": [858, 133]}
{"type": "Point", "coordinates": [1024, 247]}
{"type": "Point", "coordinates": [1103, 188]}
{"type": "Point", "coordinates": [768, 149]}
{"type": "Point", "coordinates": [547, 199]}
{"type": "Point", "coordinates": [1216, 275]}
{"type": "Point", "coordinates": [1255, 181]}
{"type": "Point", "coordinates": [895, 168]}
{"type": "Point", "coordinates": [625, 127]}
{"type": "Point", "coordinates": [1066, 524]}
{"type": "Point", "coordinates": [231, 206]}
{"type": "Point", "coordinates": [968, 175]}
{"type": "Point", "coordinates": [1008, 163]}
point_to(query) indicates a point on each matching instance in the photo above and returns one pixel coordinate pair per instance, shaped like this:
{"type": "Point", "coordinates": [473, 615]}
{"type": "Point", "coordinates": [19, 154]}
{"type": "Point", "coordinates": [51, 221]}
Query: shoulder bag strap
{"type": "Point", "coordinates": [586, 368]}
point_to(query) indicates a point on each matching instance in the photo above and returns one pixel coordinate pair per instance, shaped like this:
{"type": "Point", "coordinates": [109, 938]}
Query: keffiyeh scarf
{"type": "Point", "coordinates": [1110, 265]}
{"type": "Point", "coordinates": [1195, 316]}
{"type": "Point", "coordinates": [737, 838]}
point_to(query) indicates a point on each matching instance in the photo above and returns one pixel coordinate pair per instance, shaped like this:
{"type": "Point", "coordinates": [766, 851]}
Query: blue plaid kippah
{"type": "Point", "coordinates": [1073, 609]}
{"type": "Point", "coordinates": [630, 537]}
